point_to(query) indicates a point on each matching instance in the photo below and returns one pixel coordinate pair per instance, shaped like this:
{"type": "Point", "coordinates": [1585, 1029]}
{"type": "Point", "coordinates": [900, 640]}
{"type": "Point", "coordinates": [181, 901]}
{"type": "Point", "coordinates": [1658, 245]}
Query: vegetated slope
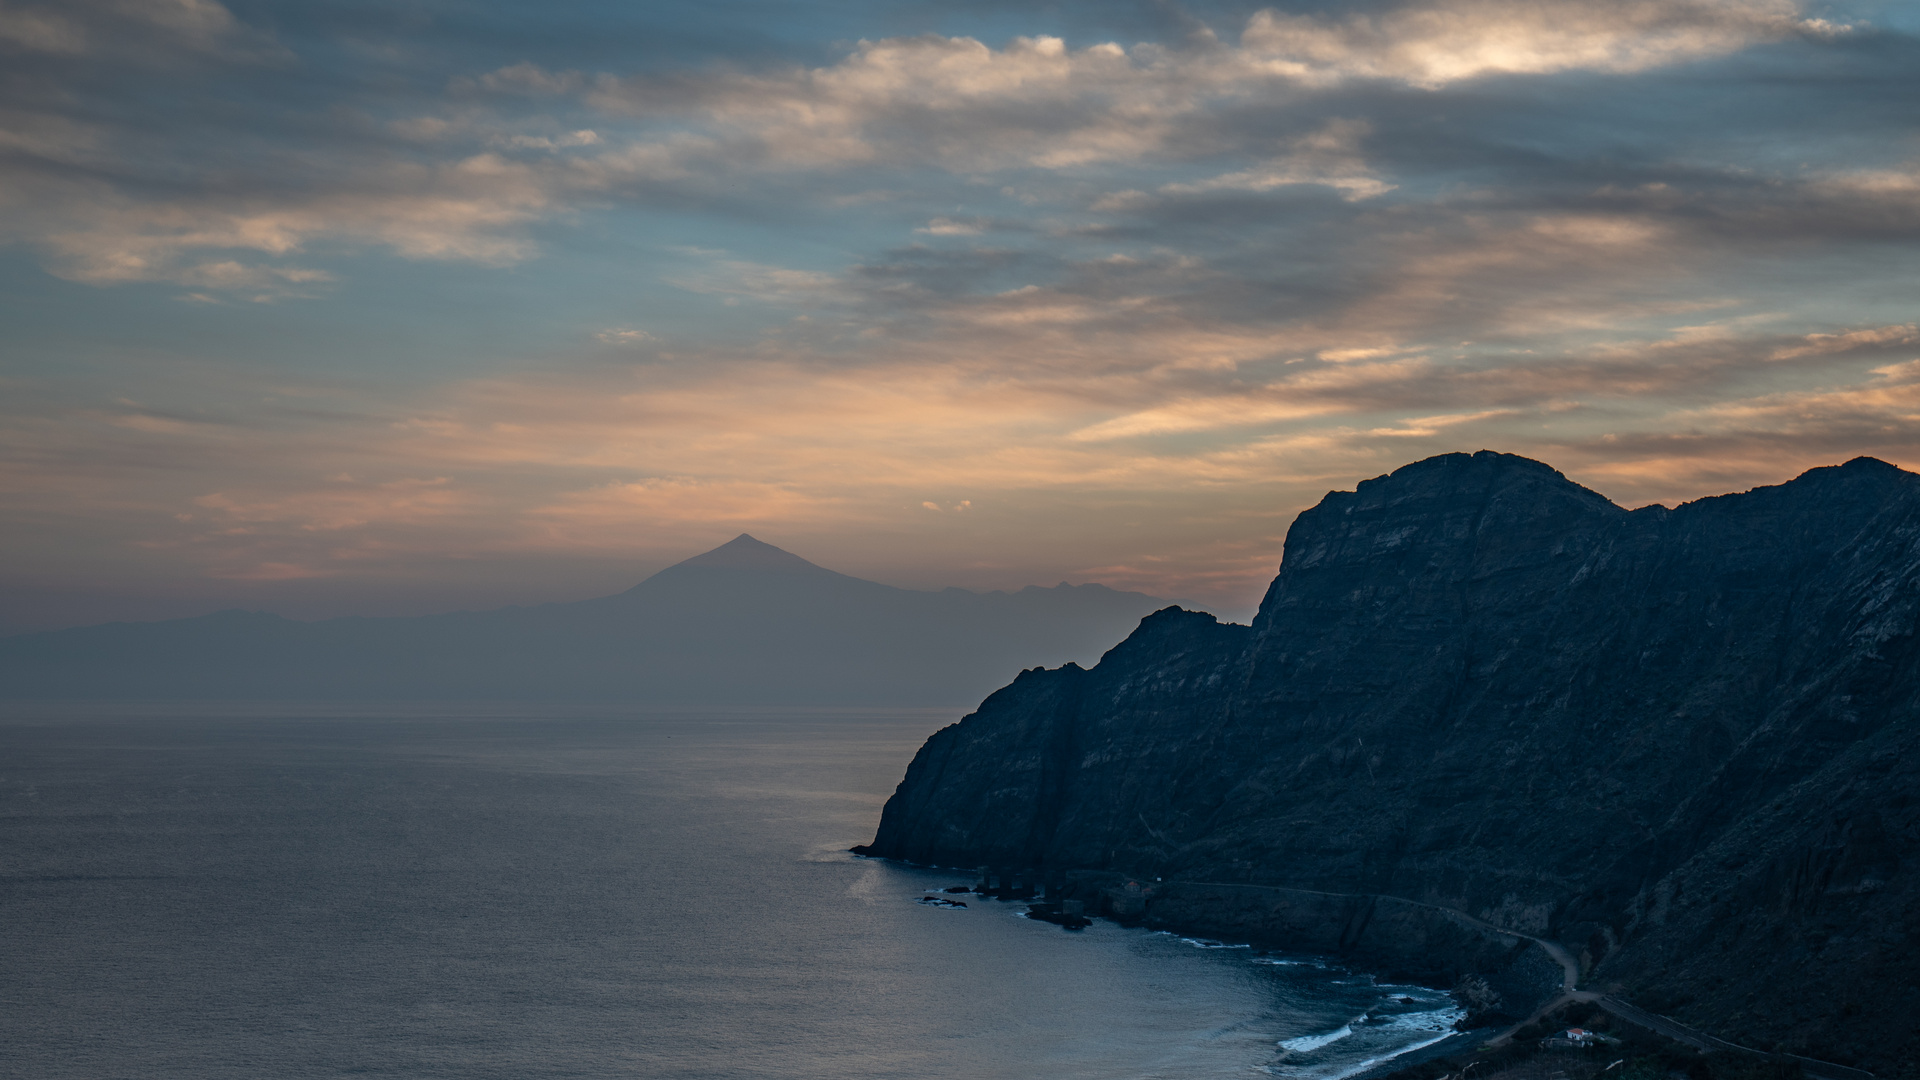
{"type": "Point", "coordinates": [1682, 742]}
{"type": "Point", "coordinates": [746, 623]}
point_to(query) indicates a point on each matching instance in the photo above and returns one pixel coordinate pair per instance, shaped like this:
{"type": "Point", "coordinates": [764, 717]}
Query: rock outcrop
{"type": "Point", "coordinates": [1682, 742]}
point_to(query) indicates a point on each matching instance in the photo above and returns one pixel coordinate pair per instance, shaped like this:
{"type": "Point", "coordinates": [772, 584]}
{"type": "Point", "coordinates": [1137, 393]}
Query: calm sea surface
{"type": "Point", "coordinates": [480, 892]}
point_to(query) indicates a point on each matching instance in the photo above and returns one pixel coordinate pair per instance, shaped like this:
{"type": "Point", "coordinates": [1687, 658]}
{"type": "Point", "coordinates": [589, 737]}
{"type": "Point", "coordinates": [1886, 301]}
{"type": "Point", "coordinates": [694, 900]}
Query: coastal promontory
{"type": "Point", "coordinates": [1681, 743]}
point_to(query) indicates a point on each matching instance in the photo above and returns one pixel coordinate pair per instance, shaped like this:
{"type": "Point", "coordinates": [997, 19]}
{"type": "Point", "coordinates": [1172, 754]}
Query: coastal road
{"type": "Point", "coordinates": [1569, 967]}
{"type": "Point", "coordinates": [1660, 1025]}
{"type": "Point", "coordinates": [1570, 991]}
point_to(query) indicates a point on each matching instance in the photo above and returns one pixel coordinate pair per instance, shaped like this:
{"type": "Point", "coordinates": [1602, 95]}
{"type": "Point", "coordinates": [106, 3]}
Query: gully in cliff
{"type": "Point", "coordinates": [1487, 721]}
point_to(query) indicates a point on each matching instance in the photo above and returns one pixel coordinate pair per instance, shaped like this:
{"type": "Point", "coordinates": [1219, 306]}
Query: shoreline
{"type": "Point", "coordinates": [1408, 941]}
{"type": "Point", "coordinates": [1382, 1064]}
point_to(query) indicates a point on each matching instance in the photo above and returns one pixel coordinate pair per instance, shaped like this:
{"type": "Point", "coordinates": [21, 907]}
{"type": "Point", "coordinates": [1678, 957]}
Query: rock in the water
{"type": "Point", "coordinates": [1068, 915]}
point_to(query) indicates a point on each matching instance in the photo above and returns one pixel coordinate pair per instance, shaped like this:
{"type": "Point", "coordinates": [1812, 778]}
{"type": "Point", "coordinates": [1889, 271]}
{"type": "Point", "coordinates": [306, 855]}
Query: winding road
{"type": "Point", "coordinates": [1570, 991]}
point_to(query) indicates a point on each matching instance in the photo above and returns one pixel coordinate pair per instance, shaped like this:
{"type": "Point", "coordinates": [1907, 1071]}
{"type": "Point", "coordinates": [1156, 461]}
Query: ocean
{"type": "Point", "coordinates": [531, 892]}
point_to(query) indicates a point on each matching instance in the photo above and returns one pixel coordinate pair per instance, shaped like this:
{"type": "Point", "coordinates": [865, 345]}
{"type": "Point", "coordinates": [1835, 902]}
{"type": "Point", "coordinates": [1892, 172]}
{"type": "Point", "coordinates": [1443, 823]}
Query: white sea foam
{"type": "Point", "coordinates": [1356, 1069]}
{"type": "Point", "coordinates": [1304, 1043]}
{"type": "Point", "coordinates": [1371, 1040]}
{"type": "Point", "coordinates": [1436, 1020]}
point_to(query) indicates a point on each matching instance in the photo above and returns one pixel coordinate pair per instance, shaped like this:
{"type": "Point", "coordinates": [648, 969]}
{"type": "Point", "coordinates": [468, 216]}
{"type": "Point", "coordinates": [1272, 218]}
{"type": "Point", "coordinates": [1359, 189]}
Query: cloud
{"type": "Point", "coordinates": [583, 137]}
{"type": "Point", "coordinates": [1329, 157]}
{"type": "Point", "coordinates": [470, 210]}
{"type": "Point", "coordinates": [41, 31]}
{"type": "Point", "coordinates": [942, 226]}
{"type": "Point", "coordinates": [760, 281]}
{"type": "Point", "coordinates": [1823, 344]}
{"type": "Point", "coordinates": [1139, 301]}
{"type": "Point", "coordinates": [342, 505]}
{"type": "Point", "coordinates": [954, 101]}
{"type": "Point", "coordinates": [1431, 45]}
{"type": "Point", "coordinates": [965, 106]}
{"type": "Point", "coordinates": [527, 78]}
{"type": "Point", "coordinates": [608, 516]}
{"type": "Point", "coordinates": [665, 459]}
{"type": "Point", "coordinates": [1885, 183]}
{"type": "Point", "coordinates": [146, 32]}
{"type": "Point", "coordinates": [1313, 392]}
{"type": "Point", "coordinates": [1240, 118]}
{"type": "Point", "coordinates": [1888, 403]}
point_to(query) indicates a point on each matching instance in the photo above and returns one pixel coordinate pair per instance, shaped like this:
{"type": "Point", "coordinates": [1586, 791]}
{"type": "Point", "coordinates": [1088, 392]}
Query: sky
{"type": "Point", "coordinates": [392, 308]}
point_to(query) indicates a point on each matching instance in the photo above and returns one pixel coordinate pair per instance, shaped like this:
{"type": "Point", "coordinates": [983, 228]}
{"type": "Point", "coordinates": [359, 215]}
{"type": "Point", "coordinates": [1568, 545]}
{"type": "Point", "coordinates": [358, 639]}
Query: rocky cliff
{"type": "Point", "coordinates": [1682, 742]}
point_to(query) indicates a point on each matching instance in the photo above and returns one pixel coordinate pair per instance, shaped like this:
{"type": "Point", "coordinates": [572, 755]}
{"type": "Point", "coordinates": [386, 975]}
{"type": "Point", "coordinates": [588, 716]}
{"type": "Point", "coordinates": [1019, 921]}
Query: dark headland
{"type": "Point", "coordinates": [1490, 729]}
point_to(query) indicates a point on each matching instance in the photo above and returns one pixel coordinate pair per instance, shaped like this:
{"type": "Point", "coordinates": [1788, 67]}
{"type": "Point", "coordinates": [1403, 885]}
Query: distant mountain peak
{"type": "Point", "coordinates": [743, 552]}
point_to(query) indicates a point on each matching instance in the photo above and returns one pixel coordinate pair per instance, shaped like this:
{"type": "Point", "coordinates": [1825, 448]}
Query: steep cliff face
{"type": "Point", "coordinates": [1681, 741]}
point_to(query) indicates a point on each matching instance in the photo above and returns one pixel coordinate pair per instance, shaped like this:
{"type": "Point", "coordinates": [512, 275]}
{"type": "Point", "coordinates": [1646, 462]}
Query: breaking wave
{"type": "Point", "coordinates": [1306, 1043]}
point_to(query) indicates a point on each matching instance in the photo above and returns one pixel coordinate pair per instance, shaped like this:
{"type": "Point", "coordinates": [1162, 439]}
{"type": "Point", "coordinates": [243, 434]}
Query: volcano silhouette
{"type": "Point", "coordinates": [744, 623]}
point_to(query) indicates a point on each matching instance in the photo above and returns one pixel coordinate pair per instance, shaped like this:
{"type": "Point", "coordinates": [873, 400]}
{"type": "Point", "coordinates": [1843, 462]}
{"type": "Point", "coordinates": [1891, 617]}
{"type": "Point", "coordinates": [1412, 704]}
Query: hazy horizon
{"type": "Point", "coordinates": [694, 559]}
{"type": "Point", "coordinates": [746, 623]}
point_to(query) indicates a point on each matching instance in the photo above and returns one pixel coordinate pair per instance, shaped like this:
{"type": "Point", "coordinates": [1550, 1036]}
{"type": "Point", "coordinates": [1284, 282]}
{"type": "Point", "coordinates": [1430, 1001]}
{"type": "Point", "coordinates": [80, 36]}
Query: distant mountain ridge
{"type": "Point", "coordinates": [746, 623]}
{"type": "Point", "coordinates": [1684, 743]}
{"type": "Point", "coordinates": [743, 552]}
